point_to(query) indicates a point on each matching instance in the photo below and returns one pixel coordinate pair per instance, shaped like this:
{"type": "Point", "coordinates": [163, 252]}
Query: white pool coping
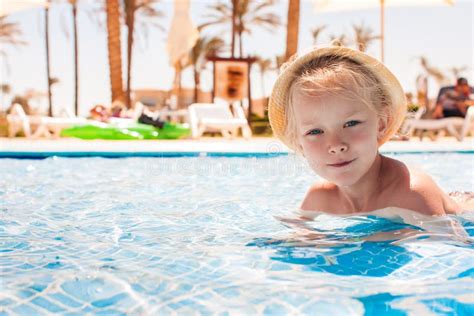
{"type": "Point", "coordinates": [260, 145]}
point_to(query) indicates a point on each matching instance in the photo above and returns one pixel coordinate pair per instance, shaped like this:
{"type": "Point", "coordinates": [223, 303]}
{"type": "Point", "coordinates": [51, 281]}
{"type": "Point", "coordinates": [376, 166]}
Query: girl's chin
{"type": "Point", "coordinates": [343, 180]}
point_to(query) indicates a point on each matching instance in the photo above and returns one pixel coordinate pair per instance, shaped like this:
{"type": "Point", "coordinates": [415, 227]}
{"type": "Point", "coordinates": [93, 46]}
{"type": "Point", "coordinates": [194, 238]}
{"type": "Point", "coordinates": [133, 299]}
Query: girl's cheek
{"type": "Point", "coordinates": [311, 145]}
{"type": "Point", "coordinates": [314, 155]}
{"type": "Point", "coordinates": [361, 136]}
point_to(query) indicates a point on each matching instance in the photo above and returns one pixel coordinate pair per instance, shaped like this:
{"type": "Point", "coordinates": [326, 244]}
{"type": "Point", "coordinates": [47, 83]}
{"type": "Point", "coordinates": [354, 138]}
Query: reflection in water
{"type": "Point", "coordinates": [356, 245]}
{"type": "Point", "coordinates": [374, 259]}
{"type": "Point", "coordinates": [381, 304]}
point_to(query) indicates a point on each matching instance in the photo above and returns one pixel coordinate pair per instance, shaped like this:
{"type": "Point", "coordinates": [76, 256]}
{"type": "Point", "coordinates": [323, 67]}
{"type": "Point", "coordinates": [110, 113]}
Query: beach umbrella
{"type": "Point", "coordinates": [182, 37]}
{"type": "Point", "coordinates": [183, 34]}
{"type": "Point", "coordinates": [10, 6]}
{"type": "Point", "coordinates": [345, 5]}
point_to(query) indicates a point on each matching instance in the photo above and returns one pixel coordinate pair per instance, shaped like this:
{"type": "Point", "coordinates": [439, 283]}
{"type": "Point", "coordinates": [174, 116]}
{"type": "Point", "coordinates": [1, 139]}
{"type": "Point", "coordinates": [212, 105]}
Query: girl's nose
{"type": "Point", "coordinates": [338, 148]}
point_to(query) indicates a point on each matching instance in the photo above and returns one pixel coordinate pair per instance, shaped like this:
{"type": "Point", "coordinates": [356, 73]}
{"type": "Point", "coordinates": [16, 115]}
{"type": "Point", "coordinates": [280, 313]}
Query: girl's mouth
{"type": "Point", "coordinates": [341, 164]}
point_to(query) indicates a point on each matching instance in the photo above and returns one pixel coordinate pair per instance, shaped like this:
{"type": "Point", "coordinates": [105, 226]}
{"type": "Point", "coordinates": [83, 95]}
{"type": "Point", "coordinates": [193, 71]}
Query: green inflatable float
{"type": "Point", "coordinates": [136, 131]}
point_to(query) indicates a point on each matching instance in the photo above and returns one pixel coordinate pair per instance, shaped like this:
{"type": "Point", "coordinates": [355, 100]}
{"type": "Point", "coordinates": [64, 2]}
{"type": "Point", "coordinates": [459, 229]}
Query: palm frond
{"type": "Point", "coordinates": [264, 64]}
{"type": "Point", "coordinates": [204, 47]}
{"type": "Point", "coordinates": [250, 14]}
{"type": "Point", "coordinates": [363, 36]}
{"type": "Point", "coordinates": [316, 32]}
{"type": "Point", "coordinates": [10, 33]}
{"type": "Point", "coordinates": [342, 39]}
{"type": "Point", "coordinates": [432, 71]}
{"type": "Point", "coordinates": [458, 71]}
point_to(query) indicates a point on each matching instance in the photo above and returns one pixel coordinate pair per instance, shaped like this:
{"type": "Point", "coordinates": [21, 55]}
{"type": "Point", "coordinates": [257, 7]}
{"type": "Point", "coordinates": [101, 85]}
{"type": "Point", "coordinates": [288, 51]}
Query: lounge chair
{"type": "Point", "coordinates": [46, 126]}
{"type": "Point", "coordinates": [456, 126]}
{"type": "Point", "coordinates": [468, 126]}
{"type": "Point", "coordinates": [218, 118]}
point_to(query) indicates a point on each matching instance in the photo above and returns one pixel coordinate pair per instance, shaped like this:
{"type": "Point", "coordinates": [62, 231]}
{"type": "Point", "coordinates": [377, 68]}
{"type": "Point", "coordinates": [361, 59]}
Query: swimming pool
{"type": "Point", "coordinates": [199, 236]}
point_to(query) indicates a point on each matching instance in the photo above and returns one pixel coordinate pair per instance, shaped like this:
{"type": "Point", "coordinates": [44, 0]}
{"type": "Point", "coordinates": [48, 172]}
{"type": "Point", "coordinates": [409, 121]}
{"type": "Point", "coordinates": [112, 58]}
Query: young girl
{"type": "Point", "coordinates": [337, 106]}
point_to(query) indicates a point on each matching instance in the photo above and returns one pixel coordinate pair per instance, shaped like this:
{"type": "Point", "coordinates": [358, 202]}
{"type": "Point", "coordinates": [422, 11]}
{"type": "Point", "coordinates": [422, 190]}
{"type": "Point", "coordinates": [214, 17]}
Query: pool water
{"type": "Point", "coordinates": [169, 236]}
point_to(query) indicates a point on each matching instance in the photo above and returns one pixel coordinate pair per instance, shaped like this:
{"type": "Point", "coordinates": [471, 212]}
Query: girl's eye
{"type": "Point", "coordinates": [314, 132]}
{"type": "Point", "coordinates": [352, 123]}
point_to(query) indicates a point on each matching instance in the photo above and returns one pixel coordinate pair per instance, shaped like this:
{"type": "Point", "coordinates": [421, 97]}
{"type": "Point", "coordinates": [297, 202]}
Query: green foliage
{"type": "Point", "coordinates": [3, 124]}
{"type": "Point", "coordinates": [413, 107]}
{"type": "Point", "coordinates": [261, 125]}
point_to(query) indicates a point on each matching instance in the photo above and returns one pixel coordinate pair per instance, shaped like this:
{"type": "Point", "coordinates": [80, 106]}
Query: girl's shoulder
{"type": "Point", "coordinates": [415, 189]}
{"type": "Point", "coordinates": [404, 176]}
{"type": "Point", "coordinates": [320, 196]}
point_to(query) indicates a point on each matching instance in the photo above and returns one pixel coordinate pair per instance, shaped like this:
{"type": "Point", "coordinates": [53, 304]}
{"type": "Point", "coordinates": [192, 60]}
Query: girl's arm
{"type": "Point", "coordinates": [439, 225]}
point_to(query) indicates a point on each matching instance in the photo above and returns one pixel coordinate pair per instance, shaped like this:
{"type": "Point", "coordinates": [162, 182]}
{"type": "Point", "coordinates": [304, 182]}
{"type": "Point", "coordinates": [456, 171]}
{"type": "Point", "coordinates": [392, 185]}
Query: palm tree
{"type": "Point", "coordinates": [137, 15]}
{"type": "Point", "coordinates": [292, 28]}
{"type": "Point", "coordinates": [252, 13]}
{"type": "Point", "coordinates": [264, 65]}
{"type": "Point", "coordinates": [76, 63]}
{"type": "Point", "coordinates": [48, 64]}
{"type": "Point", "coordinates": [340, 39]}
{"type": "Point", "coordinates": [10, 34]}
{"type": "Point", "coordinates": [221, 13]}
{"type": "Point", "coordinates": [457, 71]}
{"type": "Point", "coordinates": [203, 48]}
{"type": "Point", "coordinates": [363, 36]}
{"type": "Point", "coordinates": [130, 9]}
{"type": "Point", "coordinates": [316, 32]}
{"type": "Point", "coordinates": [235, 4]}
{"type": "Point", "coordinates": [148, 11]}
{"type": "Point", "coordinates": [432, 71]}
{"type": "Point", "coordinates": [242, 15]}
{"type": "Point", "coordinates": [115, 57]}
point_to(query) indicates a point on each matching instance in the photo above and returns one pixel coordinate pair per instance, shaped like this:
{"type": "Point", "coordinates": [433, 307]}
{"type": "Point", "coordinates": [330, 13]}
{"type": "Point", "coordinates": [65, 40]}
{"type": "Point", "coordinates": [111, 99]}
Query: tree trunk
{"type": "Point", "coordinates": [48, 71]}
{"type": "Point", "coordinates": [197, 84]}
{"type": "Point", "coordinates": [241, 50]}
{"type": "Point", "coordinates": [130, 21]}
{"type": "Point", "coordinates": [292, 28]}
{"type": "Point", "coordinates": [115, 57]}
{"type": "Point", "coordinates": [76, 63]}
{"type": "Point", "coordinates": [177, 84]}
{"type": "Point", "coordinates": [234, 24]}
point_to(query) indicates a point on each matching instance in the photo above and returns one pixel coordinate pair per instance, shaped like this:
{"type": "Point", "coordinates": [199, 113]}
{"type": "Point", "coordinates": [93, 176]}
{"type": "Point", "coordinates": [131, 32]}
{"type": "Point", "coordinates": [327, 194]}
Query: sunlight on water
{"type": "Point", "coordinates": [147, 236]}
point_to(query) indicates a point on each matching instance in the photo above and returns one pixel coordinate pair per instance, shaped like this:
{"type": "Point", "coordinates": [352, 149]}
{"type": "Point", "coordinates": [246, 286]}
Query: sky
{"type": "Point", "coordinates": [441, 33]}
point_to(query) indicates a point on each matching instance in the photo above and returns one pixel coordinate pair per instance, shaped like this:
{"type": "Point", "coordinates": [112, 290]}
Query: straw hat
{"type": "Point", "coordinates": [279, 98]}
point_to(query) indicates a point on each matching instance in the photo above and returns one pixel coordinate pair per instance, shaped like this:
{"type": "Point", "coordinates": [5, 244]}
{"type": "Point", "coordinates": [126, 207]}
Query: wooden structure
{"type": "Point", "coordinates": [231, 89]}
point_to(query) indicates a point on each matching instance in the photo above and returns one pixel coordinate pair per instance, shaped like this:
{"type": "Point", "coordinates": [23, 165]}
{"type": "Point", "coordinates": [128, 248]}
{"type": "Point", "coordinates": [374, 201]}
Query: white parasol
{"type": "Point", "coordinates": [11, 6]}
{"type": "Point", "coordinates": [183, 34]}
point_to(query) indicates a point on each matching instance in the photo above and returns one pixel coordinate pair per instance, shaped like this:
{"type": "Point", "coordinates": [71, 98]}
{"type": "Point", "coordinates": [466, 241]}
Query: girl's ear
{"type": "Point", "coordinates": [382, 125]}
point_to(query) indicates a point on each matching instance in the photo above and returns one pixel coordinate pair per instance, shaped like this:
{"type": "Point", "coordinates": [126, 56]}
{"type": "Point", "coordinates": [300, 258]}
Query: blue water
{"type": "Point", "coordinates": [203, 235]}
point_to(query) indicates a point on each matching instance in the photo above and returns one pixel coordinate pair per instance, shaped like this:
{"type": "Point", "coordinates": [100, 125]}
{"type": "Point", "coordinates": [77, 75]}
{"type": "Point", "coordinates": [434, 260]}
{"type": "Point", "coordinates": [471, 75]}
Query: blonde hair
{"type": "Point", "coordinates": [340, 77]}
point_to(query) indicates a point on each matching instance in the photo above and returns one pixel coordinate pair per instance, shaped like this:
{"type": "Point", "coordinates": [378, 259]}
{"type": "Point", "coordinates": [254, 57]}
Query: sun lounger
{"type": "Point", "coordinates": [468, 126]}
{"type": "Point", "coordinates": [46, 126]}
{"type": "Point", "coordinates": [218, 118]}
{"type": "Point", "coordinates": [19, 121]}
{"type": "Point", "coordinates": [456, 126]}
{"type": "Point", "coordinates": [174, 115]}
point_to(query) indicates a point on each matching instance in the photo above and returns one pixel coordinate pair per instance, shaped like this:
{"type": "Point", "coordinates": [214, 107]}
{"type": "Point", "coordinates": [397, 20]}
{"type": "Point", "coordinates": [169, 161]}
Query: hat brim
{"type": "Point", "coordinates": [279, 98]}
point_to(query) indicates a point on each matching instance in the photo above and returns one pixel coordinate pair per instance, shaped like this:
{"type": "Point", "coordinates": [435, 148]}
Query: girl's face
{"type": "Point", "coordinates": [339, 138]}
